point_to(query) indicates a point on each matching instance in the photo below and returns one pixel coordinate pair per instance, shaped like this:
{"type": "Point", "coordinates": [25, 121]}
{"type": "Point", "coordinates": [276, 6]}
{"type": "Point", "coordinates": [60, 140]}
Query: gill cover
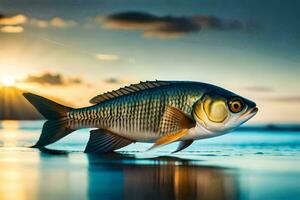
{"type": "Point", "coordinates": [211, 110]}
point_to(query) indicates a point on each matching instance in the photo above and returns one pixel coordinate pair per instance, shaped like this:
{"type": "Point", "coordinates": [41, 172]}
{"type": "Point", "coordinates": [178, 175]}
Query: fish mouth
{"type": "Point", "coordinates": [254, 110]}
{"type": "Point", "coordinates": [249, 113]}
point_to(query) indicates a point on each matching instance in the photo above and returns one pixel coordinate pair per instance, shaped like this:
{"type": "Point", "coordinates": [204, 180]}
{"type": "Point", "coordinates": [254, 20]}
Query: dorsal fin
{"type": "Point", "coordinates": [127, 90]}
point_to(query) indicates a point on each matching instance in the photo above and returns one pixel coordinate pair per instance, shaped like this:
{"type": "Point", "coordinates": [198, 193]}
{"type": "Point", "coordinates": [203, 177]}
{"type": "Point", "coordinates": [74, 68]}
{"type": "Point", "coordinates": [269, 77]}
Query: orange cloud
{"type": "Point", "coordinates": [13, 20]}
{"type": "Point", "coordinates": [19, 19]}
{"type": "Point", "coordinates": [12, 29]}
{"type": "Point", "coordinates": [56, 22]}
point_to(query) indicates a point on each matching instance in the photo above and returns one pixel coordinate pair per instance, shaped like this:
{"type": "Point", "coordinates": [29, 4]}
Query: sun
{"type": "Point", "coordinates": [8, 80]}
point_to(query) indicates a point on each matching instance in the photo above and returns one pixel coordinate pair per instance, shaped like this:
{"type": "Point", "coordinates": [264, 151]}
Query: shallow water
{"type": "Point", "coordinates": [251, 163]}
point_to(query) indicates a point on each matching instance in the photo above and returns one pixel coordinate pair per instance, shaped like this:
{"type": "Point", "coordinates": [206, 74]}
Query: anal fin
{"type": "Point", "coordinates": [102, 141]}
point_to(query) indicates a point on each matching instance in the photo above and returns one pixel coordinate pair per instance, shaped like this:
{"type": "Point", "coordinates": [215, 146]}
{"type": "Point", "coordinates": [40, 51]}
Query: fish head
{"type": "Point", "coordinates": [221, 111]}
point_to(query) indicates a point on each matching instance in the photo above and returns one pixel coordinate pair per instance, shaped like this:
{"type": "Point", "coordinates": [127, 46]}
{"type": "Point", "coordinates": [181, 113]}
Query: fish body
{"type": "Point", "coordinates": [139, 115]}
{"type": "Point", "coordinates": [161, 111]}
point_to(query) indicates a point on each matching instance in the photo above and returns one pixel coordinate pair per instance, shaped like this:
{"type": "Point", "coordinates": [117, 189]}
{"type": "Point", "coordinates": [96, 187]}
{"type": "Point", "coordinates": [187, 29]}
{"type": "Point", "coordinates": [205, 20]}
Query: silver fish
{"type": "Point", "coordinates": [153, 111]}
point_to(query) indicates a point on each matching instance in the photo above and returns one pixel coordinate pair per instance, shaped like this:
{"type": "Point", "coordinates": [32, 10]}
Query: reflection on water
{"type": "Point", "coordinates": [9, 136]}
{"type": "Point", "coordinates": [14, 134]}
{"type": "Point", "coordinates": [63, 181]}
{"type": "Point", "coordinates": [162, 178]}
{"type": "Point", "coordinates": [16, 180]}
{"type": "Point", "coordinates": [10, 124]}
{"type": "Point", "coordinates": [40, 175]}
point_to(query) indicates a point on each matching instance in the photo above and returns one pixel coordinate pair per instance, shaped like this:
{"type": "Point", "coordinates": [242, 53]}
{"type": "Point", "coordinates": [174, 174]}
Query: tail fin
{"type": "Point", "coordinates": [57, 125]}
{"type": "Point", "coordinates": [49, 109]}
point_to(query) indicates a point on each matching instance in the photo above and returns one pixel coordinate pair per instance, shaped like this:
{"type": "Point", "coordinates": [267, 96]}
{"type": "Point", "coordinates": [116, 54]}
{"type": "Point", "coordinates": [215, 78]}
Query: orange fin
{"type": "Point", "coordinates": [169, 138]}
{"type": "Point", "coordinates": [174, 116]}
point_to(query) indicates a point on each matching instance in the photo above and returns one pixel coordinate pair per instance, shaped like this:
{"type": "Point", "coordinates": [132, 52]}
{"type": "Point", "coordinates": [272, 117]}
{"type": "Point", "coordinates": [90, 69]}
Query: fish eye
{"type": "Point", "coordinates": [236, 105]}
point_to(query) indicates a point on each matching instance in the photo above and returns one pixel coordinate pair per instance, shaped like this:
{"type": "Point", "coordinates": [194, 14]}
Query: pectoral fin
{"type": "Point", "coordinates": [183, 144]}
{"type": "Point", "coordinates": [176, 117]}
{"type": "Point", "coordinates": [182, 122]}
{"type": "Point", "coordinates": [102, 141]}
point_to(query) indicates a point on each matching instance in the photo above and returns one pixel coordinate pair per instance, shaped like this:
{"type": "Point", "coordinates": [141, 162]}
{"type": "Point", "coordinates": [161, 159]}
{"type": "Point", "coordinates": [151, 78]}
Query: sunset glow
{"type": "Point", "coordinates": [8, 80]}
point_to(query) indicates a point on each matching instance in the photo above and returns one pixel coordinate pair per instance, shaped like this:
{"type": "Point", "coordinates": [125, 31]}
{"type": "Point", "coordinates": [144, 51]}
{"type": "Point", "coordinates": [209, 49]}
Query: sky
{"type": "Point", "coordinates": [76, 49]}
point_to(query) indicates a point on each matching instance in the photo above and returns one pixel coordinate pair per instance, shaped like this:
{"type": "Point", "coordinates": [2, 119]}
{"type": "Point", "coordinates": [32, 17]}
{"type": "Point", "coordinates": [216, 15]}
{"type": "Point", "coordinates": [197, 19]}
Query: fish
{"type": "Point", "coordinates": [159, 112]}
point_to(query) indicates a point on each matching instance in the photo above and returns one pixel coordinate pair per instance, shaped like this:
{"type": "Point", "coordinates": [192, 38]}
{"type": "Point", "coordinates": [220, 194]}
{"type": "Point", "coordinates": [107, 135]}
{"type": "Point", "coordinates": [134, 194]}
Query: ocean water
{"type": "Point", "coordinates": [254, 162]}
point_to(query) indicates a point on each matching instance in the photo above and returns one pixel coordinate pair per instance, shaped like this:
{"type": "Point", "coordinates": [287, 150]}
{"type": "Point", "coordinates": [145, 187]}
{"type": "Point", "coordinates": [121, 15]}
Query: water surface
{"type": "Point", "coordinates": [251, 163]}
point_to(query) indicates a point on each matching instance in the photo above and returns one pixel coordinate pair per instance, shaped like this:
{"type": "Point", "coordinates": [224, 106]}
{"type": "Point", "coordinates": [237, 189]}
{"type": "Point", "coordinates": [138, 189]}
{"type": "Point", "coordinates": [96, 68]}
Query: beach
{"type": "Point", "coordinates": [250, 163]}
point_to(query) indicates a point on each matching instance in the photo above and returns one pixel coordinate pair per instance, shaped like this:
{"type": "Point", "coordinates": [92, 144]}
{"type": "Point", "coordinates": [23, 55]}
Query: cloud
{"type": "Point", "coordinates": [289, 99]}
{"type": "Point", "coordinates": [107, 57]}
{"type": "Point", "coordinates": [166, 27]}
{"type": "Point", "coordinates": [13, 20]}
{"type": "Point", "coordinates": [56, 22]}
{"type": "Point", "coordinates": [53, 79]}
{"type": "Point", "coordinates": [40, 23]}
{"type": "Point", "coordinates": [61, 23]}
{"type": "Point", "coordinates": [258, 88]}
{"type": "Point", "coordinates": [113, 80]}
{"type": "Point", "coordinates": [119, 80]}
{"type": "Point", "coordinates": [12, 24]}
{"type": "Point", "coordinates": [12, 29]}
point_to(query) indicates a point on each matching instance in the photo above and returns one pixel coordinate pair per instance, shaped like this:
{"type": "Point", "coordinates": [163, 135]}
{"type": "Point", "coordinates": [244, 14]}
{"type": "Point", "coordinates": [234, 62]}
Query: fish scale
{"type": "Point", "coordinates": [140, 112]}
